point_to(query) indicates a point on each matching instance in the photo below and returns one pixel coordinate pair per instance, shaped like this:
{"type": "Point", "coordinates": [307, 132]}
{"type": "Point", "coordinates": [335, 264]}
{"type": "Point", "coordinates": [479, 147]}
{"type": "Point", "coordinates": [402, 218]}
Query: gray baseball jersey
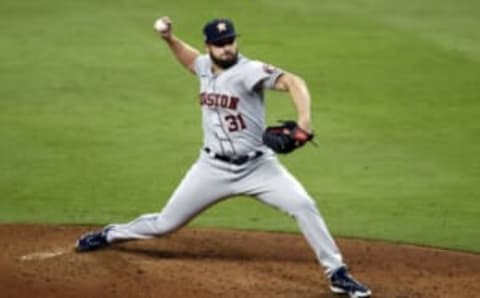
{"type": "Point", "coordinates": [233, 104]}
{"type": "Point", "coordinates": [233, 122]}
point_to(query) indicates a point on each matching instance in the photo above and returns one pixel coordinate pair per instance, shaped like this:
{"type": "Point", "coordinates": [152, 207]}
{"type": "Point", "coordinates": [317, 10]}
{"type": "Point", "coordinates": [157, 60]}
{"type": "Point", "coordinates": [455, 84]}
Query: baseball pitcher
{"type": "Point", "coordinates": [238, 156]}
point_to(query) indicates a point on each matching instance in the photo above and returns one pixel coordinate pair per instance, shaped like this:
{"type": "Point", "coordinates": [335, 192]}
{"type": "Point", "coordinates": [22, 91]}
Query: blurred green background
{"type": "Point", "coordinates": [98, 123]}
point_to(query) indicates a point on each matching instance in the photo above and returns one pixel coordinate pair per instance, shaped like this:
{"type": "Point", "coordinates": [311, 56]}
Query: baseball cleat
{"type": "Point", "coordinates": [92, 241]}
{"type": "Point", "coordinates": [341, 282]}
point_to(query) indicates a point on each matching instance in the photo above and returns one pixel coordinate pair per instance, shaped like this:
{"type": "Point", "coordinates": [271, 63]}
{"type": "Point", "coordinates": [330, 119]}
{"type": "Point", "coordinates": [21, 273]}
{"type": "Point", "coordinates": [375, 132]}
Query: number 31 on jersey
{"type": "Point", "coordinates": [235, 122]}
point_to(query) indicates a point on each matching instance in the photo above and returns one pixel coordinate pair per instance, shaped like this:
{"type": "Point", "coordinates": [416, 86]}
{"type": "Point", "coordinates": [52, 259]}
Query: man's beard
{"type": "Point", "coordinates": [224, 64]}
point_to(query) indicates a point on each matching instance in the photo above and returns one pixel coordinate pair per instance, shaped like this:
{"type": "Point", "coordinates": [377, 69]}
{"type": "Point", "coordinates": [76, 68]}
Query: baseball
{"type": "Point", "coordinates": [160, 25]}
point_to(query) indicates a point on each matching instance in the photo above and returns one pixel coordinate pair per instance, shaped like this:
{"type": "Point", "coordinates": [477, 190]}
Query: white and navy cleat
{"type": "Point", "coordinates": [341, 282]}
{"type": "Point", "coordinates": [92, 241]}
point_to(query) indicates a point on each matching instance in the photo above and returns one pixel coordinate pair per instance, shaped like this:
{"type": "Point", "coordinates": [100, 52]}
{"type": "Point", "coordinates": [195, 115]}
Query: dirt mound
{"type": "Point", "coordinates": [39, 261]}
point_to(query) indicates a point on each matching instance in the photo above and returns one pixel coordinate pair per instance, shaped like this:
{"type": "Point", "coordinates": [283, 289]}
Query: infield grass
{"type": "Point", "coordinates": [98, 123]}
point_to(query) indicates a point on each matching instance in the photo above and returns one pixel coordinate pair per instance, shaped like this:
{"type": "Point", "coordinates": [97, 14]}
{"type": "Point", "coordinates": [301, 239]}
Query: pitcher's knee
{"type": "Point", "coordinates": [306, 204]}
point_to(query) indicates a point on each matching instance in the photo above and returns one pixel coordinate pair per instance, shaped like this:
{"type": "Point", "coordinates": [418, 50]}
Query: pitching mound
{"type": "Point", "coordinates": [39, 261]}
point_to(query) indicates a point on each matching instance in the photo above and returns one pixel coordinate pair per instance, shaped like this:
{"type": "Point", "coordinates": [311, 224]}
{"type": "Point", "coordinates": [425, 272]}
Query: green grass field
{"type": "Point", "coordinates": [98, 123]}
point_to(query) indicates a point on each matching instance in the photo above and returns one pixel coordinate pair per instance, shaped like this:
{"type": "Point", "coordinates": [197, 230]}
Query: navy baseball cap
{"type": "Point", "coordinates": [218, 29]}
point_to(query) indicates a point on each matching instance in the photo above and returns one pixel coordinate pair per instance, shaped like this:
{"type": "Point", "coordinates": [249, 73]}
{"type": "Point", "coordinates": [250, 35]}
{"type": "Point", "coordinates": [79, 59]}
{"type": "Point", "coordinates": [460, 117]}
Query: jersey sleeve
{"type": "Point", "coordinates": [200, 65]}
{"type": "Point", "coordinates": [261, 75]}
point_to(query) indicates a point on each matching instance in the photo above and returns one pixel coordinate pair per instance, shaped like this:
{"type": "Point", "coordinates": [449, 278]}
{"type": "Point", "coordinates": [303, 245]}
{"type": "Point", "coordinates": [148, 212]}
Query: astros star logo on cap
{"type": "Point", "coordinates": [221, 27]}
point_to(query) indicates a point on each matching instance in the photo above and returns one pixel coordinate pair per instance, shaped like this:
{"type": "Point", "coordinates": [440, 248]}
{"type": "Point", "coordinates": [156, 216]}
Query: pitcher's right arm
{"type": "Point", "coordinates": [183, 52]}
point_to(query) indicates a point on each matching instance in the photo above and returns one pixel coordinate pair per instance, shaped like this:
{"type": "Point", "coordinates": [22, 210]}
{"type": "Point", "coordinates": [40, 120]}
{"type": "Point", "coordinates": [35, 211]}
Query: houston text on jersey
{"type": "Point", "coordinates": [219, 100]}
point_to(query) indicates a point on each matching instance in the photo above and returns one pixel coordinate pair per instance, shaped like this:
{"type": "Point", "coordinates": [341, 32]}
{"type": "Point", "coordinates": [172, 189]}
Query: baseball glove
{"type": "Point", "coordinates": [286, 138]}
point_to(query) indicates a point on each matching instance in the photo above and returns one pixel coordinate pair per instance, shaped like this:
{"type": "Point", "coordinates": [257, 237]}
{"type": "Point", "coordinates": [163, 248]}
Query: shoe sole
{"type": "Point", "coordinates": [352, 295]}
{"type": "Point", "coordinates": [79, 248]}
